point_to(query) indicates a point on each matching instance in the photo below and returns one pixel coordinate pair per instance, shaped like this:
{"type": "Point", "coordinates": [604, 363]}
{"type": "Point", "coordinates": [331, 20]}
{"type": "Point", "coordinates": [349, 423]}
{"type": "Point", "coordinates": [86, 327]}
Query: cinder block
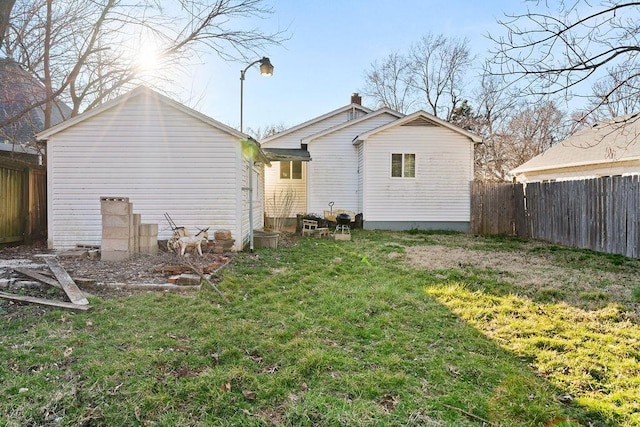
{"type": "Point", "coordinates": [148, 230]}
{"type": "Point", "coordinates": [136, 224]}
{"type": "Point", "coordinates": [115, 245]}
{"type": "Point", "coordinates": [115, 206]}
{"type": "Point", "coordinates": [149, 249]}
{"type": "Point", "coordinates": [132, 240]}
{"type": "Point", "coordinates": [148, 240]}
{"type": "Point", "coordinates": [188, 280]}
{"type": "Point", "coordinates": [115, 221]}
{"type": "Point", "coordinates": [114, 255]}
{"type": "Point", "coordinates": [115, 233]}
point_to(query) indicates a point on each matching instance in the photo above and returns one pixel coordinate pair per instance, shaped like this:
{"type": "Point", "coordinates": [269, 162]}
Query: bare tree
{"type": "Point", "coordinates": [606, 103]}
{"type": "Point", "coordinates": [261, 133]}
{"type": "Point", "coordinates": [429, 76]}
{"type": "Point", "coordinates": [438, 66]}
{"type": "Point", "coordinates": [85, 51]}
{"type": "Point", "coordinates": [390, 83]}
{"type": "Point", "coordinates": [516, 138]}
{"type": "Point", "coordinates": [557, 51]}
{"type": "Point", "coordinates": [5, 13]}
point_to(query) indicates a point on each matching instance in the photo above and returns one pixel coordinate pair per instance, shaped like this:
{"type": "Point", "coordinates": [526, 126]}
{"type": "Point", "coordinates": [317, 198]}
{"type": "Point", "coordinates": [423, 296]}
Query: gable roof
{"type": "Point", "coordinates": [19, 91]}
{"type": "Point", "coordinates": [145, 91]}
{"type": "Point", "coordinates": [139, 91]}
{"type": "Point", "coordinates": [606, 142]}
{"type": "Point", "coordinates": [419, 118]}
{"type": "Point", "coordinates": [348, 123]}
{"type": "Point", "coordinates": [317, 119]}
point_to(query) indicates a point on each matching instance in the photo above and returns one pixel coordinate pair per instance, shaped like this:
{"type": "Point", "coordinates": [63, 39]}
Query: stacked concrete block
{"type": "Point", "coordinates": [116, 228]}
{"type": "Point", "coordinates": [134, 240]}
{"type": "Point", "coordinates": [148, 239]}
{"type": "Point", "coordinates": [122, 231]}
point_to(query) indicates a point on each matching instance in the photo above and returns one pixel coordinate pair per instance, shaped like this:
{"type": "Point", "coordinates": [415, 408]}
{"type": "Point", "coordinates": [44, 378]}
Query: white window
{"type": "Point", "coordinates": [291, 170]}
{"type": "Point", "coordinates": [403, 165]}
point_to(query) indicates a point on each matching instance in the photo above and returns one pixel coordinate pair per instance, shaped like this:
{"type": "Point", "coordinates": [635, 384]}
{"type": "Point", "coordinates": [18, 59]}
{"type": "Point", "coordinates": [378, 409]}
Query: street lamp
{"type": "Point", "coordinates": [266, 69]}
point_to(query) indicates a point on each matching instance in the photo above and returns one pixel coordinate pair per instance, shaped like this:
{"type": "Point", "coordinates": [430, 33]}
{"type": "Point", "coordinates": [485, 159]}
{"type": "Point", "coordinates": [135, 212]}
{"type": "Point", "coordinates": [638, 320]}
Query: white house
{"type": "Point", "coordinates": [163, 156]}
{"type": "Point", "coordinates": [605, 149]}
{"type": "Point", "coordinates": [399, 172]}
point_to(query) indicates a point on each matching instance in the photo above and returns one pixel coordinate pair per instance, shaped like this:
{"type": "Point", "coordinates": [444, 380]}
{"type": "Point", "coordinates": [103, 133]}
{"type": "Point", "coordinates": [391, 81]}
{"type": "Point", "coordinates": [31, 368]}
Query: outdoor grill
{"type": "Point", "coordinates": [343, 219]}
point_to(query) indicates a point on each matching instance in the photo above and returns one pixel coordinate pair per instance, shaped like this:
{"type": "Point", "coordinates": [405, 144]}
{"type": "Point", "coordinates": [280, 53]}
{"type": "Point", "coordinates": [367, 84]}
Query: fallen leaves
{"type": "Point", "coordinates": [249, 395]}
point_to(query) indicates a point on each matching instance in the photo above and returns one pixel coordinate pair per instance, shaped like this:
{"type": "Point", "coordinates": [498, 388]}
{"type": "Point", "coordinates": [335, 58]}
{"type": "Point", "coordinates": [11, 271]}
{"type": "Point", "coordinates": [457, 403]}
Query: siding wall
{"type": "Point", "coordinates": [274, 186]}
{"type": "Point", "coordinates": [161, 158]}
{"type": "Point", "coordinates": [444, 169]}
{"type": "Point", "coordinates": [292, 140]}
{"type": "Point", "coordinates": [333, 172]}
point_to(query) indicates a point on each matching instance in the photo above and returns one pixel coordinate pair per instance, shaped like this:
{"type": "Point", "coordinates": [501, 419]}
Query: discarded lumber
{"type": "Point", "coordinates": [68, 285]}
{"type": "Point", "coordinates": [207, 281]}
{"type": "Point", "coordinates": [42, 301]}
{"type": "Point", "coordinates": [39, 277]}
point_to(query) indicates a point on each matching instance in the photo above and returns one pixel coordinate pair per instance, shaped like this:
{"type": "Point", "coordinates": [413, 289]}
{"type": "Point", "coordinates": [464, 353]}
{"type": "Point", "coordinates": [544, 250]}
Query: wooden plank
{"type": "Point", "coordinates": [39, 277]}
{"type": "Point", "coordinates": [68, 285]}
{"type": "Point", "coordinates": [42, 278]}
{"type": "Point", "coordinates": [42, 301]}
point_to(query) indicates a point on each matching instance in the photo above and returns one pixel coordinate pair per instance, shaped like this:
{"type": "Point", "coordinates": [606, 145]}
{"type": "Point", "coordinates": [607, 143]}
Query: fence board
{"type": "Point", "coordinates": [23, 190]}
{"type": "Point", "coordinates": [602, 214]}
{"type": "Point", "coordinates": [492, 208]}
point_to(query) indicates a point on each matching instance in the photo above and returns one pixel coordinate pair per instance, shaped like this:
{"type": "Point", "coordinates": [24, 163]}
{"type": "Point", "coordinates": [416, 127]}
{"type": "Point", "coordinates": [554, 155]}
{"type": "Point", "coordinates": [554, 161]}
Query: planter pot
{"type": "Point", "coordinates": [264, 239]}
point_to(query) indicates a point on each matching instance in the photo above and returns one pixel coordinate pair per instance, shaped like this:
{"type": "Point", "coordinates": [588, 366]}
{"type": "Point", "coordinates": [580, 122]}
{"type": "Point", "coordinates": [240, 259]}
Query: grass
{"type": "Point", "coordinates": [341, 333]}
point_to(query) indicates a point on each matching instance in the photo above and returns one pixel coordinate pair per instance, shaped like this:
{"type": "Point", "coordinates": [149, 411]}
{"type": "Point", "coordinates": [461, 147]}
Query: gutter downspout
{"type": "Point", "coordinates": [251, 204]}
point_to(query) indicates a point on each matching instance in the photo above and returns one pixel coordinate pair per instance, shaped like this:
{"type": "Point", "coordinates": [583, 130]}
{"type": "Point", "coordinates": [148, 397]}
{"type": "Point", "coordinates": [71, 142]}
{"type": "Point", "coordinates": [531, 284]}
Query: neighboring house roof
{"type": "Point", "coordinates": [418, 118]}
{"type": "Point", "coordinates": [608, 142]}
{"type": "Point", "coordinates": [19, 90]}
{"type": "Point", "coordinates": [336, 128]}
{"type": "Point", "coordinates": [316, 120]}
{"type": "Point", "coordinates": [139, 91]}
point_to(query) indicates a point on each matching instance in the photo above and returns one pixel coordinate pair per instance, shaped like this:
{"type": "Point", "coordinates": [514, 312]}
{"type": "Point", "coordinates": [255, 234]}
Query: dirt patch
{"type": "Point", "coordinates": [138, 269]}
{"type": "Point", "coordinates": [93, 275]}
{"type": "Point", "coordinates": [527, 272]}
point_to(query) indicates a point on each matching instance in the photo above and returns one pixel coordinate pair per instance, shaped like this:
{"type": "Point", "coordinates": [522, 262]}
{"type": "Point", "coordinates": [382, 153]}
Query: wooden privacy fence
{"type": "Point", "coordinates": [23, 201]}
{"type": "Point", "coordinates": [600, 214]}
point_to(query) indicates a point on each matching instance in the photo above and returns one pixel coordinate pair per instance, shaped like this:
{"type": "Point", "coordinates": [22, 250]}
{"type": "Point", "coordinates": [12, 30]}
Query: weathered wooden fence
{"type": "Point", "coordinates": [23, 201]}
{"type": "Point", "coordinates": [600, 214]}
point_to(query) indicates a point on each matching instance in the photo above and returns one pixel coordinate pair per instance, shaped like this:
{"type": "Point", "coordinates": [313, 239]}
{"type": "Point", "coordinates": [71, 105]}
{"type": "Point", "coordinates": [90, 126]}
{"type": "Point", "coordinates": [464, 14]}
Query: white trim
{"type": "Point", "coordinates": [406, 119]}
{"type": "Point", "coordinates": [520, 169]}
{"type": "Point", "coordinates": [348, 123]}
{"type": "Point", "coordinates": [403, 154]}
{"type": "Point", "coordinates": [140, 90]}
{"type": "Point", "coordinates": [316, 120]}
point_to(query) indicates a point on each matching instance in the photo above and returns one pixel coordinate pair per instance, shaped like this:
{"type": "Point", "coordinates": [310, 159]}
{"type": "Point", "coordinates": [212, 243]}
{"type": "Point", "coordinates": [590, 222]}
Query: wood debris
{"type": "Point", "coordinates": [77, 297]}
{"type": "Point", "coordinates": [42, 301]}
{"type": "Point", "coordinates": [68, 285]}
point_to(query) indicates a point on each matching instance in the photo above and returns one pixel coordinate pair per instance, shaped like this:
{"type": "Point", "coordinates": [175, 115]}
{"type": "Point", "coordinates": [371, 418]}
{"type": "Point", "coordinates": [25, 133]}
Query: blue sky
{"type": "Point", "coordinates": [332, 44]}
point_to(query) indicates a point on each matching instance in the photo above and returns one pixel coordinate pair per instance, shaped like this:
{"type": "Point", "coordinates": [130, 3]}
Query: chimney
{"type": "Point", "coordinates": [356, 99]}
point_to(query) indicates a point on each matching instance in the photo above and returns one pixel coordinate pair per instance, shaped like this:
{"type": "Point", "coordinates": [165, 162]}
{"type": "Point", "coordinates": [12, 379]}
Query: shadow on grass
{"type": "Point", "coordinates": [580, 338]}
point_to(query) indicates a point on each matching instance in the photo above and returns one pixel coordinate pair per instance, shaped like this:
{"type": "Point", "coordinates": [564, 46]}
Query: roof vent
{"type": "Point", "coordinates": [420, 121]}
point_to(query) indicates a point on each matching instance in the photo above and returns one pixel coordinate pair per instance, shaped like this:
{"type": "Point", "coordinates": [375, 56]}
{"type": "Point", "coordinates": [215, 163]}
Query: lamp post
{"type": "Point", "coordinates": [266, 69]}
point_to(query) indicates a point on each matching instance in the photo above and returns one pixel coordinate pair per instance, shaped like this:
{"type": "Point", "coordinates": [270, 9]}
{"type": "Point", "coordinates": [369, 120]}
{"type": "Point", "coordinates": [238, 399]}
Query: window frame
{"type": "Point", "coordinates": [291, 169]}
{"type": "Point", "coordinates": [403, 165]}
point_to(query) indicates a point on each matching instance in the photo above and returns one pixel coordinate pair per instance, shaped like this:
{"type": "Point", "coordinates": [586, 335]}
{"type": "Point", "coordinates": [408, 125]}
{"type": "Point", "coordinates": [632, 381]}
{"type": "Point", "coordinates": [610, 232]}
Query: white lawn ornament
{"type": "Point", "coordinates": [186, 242]}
